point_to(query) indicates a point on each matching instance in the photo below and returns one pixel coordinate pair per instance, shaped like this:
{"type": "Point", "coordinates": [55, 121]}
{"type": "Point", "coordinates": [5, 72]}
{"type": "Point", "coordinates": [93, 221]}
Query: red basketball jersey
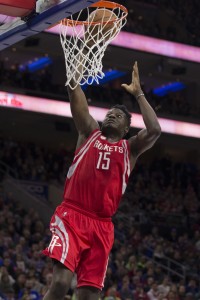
{"type": "Point", "coordinates": [98, 176]}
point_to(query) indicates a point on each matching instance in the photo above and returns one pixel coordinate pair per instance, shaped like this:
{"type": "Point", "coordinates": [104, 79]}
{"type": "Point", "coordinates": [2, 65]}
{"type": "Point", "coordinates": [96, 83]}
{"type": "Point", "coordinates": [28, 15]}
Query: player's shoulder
{"type": "Point", "coordinates": [84, 141]}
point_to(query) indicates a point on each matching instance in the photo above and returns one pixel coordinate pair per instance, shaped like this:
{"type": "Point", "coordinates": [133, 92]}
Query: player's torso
{"type": "Point", "coordinates": [98, 175]}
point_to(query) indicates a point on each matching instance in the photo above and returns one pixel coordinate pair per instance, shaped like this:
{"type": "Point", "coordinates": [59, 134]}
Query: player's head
{"type": "Point", "coordinates": [117, 120]}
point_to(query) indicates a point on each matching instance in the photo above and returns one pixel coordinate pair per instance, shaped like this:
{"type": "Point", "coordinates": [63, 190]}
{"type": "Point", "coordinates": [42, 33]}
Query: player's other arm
{"type": "Point", "coordinates": [84, 122]}
{"type": "Point", "coordinates": [145, 139]}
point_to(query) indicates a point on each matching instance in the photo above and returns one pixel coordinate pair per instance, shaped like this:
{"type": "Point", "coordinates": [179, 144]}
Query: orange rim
{"type": "Point", "coordinates": [104, 4]}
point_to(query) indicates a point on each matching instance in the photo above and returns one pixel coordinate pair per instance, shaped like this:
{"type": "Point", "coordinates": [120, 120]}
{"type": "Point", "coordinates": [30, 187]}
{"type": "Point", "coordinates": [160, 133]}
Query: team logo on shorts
{"type": "Point", "coordinates": [54, 243]}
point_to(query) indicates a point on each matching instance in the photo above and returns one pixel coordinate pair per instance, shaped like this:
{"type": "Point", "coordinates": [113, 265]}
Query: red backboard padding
{"type": "Point", "coordinates": [16, 8]}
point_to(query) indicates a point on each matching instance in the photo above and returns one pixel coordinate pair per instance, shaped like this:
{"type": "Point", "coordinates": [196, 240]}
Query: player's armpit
{"type": "Point", "coordinates": [143, 141]}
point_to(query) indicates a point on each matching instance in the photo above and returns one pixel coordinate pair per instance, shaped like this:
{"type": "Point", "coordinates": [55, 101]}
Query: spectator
{"type": "Point", "coordinates": [112, 294]}
{"type": "Point", "coordinates": [164, 287]}
{"type": "Point", "coordinates": [29, 292]}
{"type": "Point", "coordinates": [140, 294]}
{"type": "Point", "coordinates": [154, 293]}
{"type": "Point", "coordinates": [182, 292]}
{"type": "Point", "coordinates": [19, 283]}
{"type": "Point", "coordinates": [125, 291]}
{"type": "Point", "coordinates": [6, 282]}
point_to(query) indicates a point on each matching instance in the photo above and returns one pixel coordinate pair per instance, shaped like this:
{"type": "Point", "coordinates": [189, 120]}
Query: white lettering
{"type": "Point", "coordinates": [108, 148]}
{"type": "Point", "coordinates": [121, 150]}
{"type": "Point", "coordinates": [100, 146]}
{"type": "Point", "coordinates": [111, 148]}
{"type": "Point", "coordinates": [96, 143]}
{"type": "Point", "coordinates": [103, 161]}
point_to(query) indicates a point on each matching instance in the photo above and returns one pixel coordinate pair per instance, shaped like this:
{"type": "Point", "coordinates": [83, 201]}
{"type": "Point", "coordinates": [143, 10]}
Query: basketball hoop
{"type": "Point", "coordinates": [84, 39]}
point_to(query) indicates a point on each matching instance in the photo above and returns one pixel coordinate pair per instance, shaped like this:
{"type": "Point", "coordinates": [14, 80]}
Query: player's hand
{"type": "Point", "coordinates": [134, 87]}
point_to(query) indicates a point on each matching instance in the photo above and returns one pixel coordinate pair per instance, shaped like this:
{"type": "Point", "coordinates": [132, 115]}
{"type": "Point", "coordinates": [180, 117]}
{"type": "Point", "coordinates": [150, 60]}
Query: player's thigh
{"type": "Point", "coordinates": [65, 244]}
{"type": "Point", "coordinates": [62, 276]}
{"type": "Point", "coordinates": [93, 262]}
{"type": "Point", "coordinates": [88, 293]}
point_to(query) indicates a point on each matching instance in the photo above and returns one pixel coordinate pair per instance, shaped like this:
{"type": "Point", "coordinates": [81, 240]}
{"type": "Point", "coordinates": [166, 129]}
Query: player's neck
{"type": "Point", "coordinates": [112, 138]}
{"type": "Point", "coordinates": [111, 135]}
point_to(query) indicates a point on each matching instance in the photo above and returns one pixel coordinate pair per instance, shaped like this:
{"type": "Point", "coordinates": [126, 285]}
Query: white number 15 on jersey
{"type": "Point", "coordinates": [103, 161]}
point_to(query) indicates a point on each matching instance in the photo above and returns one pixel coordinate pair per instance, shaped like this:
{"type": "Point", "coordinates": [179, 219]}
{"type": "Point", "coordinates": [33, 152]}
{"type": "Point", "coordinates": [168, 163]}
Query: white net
{"type": "Point", "coordinates": [84, 39]}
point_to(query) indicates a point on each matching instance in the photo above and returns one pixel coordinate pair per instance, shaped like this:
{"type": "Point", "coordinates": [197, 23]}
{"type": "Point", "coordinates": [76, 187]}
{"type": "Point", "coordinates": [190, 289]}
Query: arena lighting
{"type": "Point", "coordinates": [151, 45]}
{"type": "Point", "coordinates": [168, 88]}
{"type": "Point", "coordinates": [143, 43]}
{"type": "Point", "coordinates": [36, 65]}
{"type": "Point", "coordinates": [60, 108]}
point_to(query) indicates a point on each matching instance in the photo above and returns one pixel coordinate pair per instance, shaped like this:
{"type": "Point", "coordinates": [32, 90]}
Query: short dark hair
{"type": "Point", "coordinates": [125, 110]}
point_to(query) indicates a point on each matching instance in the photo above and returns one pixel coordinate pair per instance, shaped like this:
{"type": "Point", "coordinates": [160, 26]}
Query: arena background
{"type": "Point", "coordinates": [156, 254]}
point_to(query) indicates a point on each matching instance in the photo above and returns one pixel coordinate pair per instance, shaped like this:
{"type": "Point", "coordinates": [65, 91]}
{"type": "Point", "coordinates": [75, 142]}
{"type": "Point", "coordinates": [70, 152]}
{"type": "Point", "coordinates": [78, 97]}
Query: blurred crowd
{"type": "Point", "coordinates": [23, 272]}
{"type": "Point", "coordinates": [172, 105]}
{"type": "Point", "coordinates": [32, 82]}
{"type": "Point", "coordinates": [171, 20]}
{"type": "Point", "coordinates": [41, 84]}
{"type": "Point", "coordinates": [151, 258]}
{"type": "Point", "coordinates": [166, 187]}
{"type": "Point", "coordinates": [35, 163]}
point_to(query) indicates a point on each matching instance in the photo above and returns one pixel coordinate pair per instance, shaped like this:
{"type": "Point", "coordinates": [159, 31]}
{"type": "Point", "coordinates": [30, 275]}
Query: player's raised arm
{"type": "Point", "coordinates": [147, 136]}
{"type": "Point", "coordinates": [84, 122]}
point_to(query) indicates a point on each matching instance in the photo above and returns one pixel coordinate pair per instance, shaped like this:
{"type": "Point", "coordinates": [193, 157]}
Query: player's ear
{"type": "Point", "coordinates": [126, 130]}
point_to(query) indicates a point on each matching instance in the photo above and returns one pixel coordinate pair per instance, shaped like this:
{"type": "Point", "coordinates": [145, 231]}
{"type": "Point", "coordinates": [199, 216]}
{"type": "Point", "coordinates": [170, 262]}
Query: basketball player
{"type": "Point", "coordinates": [82, 230]}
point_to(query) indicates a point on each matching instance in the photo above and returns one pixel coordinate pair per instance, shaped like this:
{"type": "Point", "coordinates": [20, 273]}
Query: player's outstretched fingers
{"type": "Point", "coordinates": [136, 71]}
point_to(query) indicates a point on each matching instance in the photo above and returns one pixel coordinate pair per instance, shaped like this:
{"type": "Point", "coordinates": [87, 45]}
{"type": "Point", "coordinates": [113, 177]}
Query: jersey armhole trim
{"type": "Point", "coordinates": [128, 148]}
{"type": "Point", "coordinates": [91, 134]}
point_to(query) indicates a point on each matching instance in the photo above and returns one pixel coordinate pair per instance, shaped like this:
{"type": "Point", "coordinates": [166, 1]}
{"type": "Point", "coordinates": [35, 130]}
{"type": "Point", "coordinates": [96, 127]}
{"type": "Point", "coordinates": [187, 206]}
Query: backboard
{"type": "Point", "coordinates": [47, 13]}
